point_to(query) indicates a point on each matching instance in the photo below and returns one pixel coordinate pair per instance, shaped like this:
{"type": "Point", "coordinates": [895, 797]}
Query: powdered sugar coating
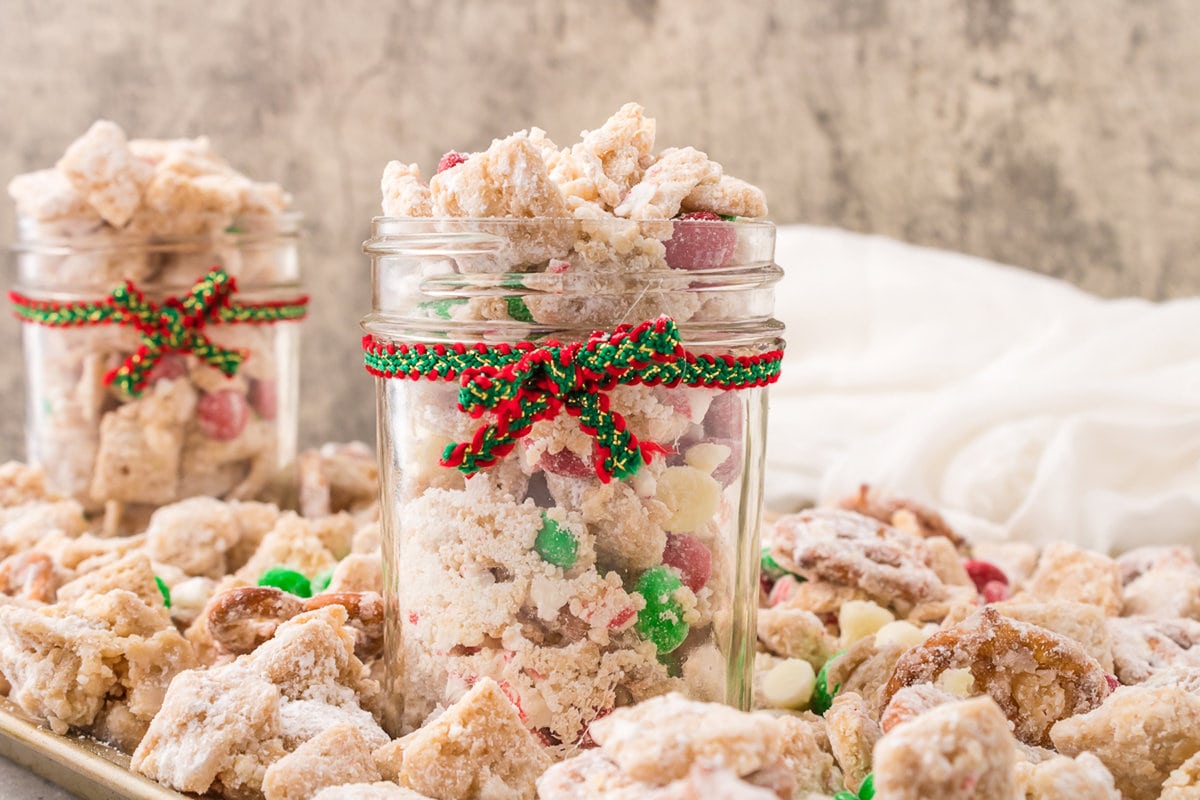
{"type": "Point", "coordinates": [100, 207]}
{"type": "Point", "coordinates": [1060, 778]}
{"type": "Point", "coordinates": [1037, 677]}
{"type": "Point", "coordinates": [101, 168]}
{"type": "Point", "coordinates": [847, 548]}
{"type": "Point", "coordinates": [477, 749]}
{"type": "Point", "coordinates": [960, 751]}
{"type": "Point", "coordinates": [404, 193]}
{"type": "Point", "coordinates": [1140, 734]}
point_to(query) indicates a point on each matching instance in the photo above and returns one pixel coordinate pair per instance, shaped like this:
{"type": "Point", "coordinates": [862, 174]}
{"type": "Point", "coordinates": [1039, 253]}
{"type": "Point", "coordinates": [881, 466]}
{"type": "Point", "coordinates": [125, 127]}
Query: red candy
{"type": "Point", "coordinates": [622, 617]}
{"type": "Point", "coordinates": [723, 420]}
{"type": "Point", "coordinates": [984, 572]}
{"type": "Point", "coordinates": [995, 592]}
{"type": "Point", "coordinates": [169, 367]}
{"type": "Point", "coordinates": [451, 159]}
{"type": "Point", "coordinates": [514, 697]}
{"type": "Point", "coordinates": [701, 240]}
{"type": "Point", "coordinates": [222, 415]}
{"type": "Point", "coordinates": [688, 555]}
{"type": "Point", "coordinates": [566, 463]}
{"type": "Point", "coordinates": [782, 589]}
{"type": "Point", "coordinates": [263, 398]}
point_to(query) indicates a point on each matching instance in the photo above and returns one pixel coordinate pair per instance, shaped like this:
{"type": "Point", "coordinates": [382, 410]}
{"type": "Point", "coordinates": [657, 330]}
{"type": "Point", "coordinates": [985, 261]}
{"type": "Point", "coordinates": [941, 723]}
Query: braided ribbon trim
{"type": "Point", "coordinates": [174, 326]}
{"type": "Point", "coordinates": [524, 383]}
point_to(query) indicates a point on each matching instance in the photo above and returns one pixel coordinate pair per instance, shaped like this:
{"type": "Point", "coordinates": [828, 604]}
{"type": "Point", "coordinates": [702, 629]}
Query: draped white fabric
{"type": "Point", "coordinates": [1019, 405]}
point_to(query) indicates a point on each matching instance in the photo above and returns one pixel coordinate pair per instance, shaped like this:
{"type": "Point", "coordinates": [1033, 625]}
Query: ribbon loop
{"type": "Point", "coordinates": [519, 386]}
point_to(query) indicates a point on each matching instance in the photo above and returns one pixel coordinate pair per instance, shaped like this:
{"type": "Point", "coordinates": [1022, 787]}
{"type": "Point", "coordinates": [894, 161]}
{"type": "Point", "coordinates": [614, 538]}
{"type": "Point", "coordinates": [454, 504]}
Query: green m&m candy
{"type": "Point", "coordinates": [556, 544]}
{"type": "Point", "coordinates": [772, 569]}
{"type": "Point", "coordinates": [822, 697]}
{"type": "Point", "coordinates": [442, 308]}
{"type": "Point", "coordinates": [867, 790]}
{"type": "Point", "coordinates": [661, 621]}
{"type": "Point", "coordinates": [164, 590]}
{"type": "Point", "coordinates": [289, 580]}
{"type": "Point", "coordinates": [518, 310]}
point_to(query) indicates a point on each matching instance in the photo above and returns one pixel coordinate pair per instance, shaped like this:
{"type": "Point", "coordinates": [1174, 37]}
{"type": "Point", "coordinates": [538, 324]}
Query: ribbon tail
{"type": "Point", "coordinates": [496, 440]}
{"type": "Point", "coordinates": [224, 359]}
{"type": "Point", "coordinates": [130, 376]}
{"type": "Point", "coordinates": [618, 454]}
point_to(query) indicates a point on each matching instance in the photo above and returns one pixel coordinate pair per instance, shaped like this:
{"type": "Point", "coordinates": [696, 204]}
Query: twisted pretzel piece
{"type": "Point", "coordinates": [241, 619]}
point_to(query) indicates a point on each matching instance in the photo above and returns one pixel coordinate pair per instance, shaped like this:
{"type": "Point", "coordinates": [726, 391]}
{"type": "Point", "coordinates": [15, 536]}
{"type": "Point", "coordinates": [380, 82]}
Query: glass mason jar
{"type": "Point", "coordinates": [159, 368]}
{"type": "Point", "coordinates": [571, 442]}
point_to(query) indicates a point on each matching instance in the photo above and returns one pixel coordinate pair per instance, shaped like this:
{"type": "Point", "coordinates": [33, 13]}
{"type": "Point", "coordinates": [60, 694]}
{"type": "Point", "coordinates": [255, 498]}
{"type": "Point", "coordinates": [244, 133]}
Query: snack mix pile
{"type": "Point", "coordinates": [235, 648]}
{"type": "Point", "coordinates": [161, 214]}
{"type": "Point", "coordinates": [579, 573]}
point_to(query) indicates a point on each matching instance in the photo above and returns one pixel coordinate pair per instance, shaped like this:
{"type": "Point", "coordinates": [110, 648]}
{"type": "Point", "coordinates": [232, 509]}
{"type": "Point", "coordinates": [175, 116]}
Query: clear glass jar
{"type": "Point", "coordinates": [190, 428]}
{"type": "Point", "coordinates": [576, 592]}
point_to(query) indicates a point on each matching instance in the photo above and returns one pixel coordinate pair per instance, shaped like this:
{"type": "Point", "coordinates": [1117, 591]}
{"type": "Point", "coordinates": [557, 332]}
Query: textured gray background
{"type": "Point", "coordinates": [1060, 136]}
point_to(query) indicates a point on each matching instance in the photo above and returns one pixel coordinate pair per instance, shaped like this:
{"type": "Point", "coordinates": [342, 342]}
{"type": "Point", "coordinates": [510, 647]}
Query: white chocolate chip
{"type": "Point", "coordinates": [789, 684]}
{"type": "Point", "coordinates": [901, 633]}
{"type": "Point", "coordinates": [858, 619]}
{"type": "Point", "coordinates": [192, 594]}
{"type": "Point", "coordinates": [691, 495]}
{"type": "Point", "coordinates": [958, 682]}
{"type": "Point", "coordinates": [707, 456]}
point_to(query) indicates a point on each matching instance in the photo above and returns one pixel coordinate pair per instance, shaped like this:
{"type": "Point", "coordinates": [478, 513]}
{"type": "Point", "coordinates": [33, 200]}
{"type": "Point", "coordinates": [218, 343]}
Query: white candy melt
{"type": "Point", "coordinates": [858, 619]}
{"type": "Point", "coordinates": [958, 682]}
{"type": "Point", "coordinates": [789, 684]}
{"type": "Point", "coordinates": [901, 633]}
{"type": "Point", "coordinates": [707, 456]}
{"type": "Point", "coordinates": [692, 496]}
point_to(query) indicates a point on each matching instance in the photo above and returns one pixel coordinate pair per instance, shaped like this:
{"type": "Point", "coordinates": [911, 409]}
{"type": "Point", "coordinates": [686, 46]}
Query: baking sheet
{"type": "Point", "coordinates": [80, 765]}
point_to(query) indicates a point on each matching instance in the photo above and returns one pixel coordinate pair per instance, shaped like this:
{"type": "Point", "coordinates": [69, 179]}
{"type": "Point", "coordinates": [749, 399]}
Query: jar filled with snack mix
{"type": "Point", "coordinates": [159, 295]}
{"type": "Point", "coordinates": [571, 453]}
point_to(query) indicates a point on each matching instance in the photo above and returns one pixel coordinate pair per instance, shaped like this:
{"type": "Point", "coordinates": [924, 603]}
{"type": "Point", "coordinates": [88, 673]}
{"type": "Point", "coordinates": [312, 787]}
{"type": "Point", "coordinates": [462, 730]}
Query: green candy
{"type": "Point", "coordinates": [164, 590]}
{"type": "Point", "coordinates": [287, 579]}
{"type": "Point", "coordinates": [321, 582]}
{"type": "Point", "coordinates": [867, 790]}
{"type": "Point", "coordinates": [727, 217]}
{"type": "Point", "coordinates": [822, 698]}
{"type": "Point", "coordinates": [441, 308]}
{"type": "Point", "coordinates": [771, 568]}
{"type": "Point", "coordinates": [555, 544]}
{"type": "Point", "coordinates": [661, 621]}
{"type": "Point", "coordinates": [844, 796]}
{"type": "Point", "coordinates": [518, 310]}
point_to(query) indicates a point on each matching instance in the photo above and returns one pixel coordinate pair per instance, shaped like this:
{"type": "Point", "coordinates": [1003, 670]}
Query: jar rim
{"type": "Point", "coordinates": [397, 235]}
{"type": "Point", "coordinates": [244, 229]}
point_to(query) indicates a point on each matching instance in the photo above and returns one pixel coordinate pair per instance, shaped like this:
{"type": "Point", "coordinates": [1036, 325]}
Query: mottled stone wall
{"type": "Point", "coordinates": [1062, 136]}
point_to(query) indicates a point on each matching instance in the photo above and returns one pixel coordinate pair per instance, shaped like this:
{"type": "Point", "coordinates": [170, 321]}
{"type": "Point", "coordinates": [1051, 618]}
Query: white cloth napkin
{"type": "Point", "coordinates": [1021, 406]}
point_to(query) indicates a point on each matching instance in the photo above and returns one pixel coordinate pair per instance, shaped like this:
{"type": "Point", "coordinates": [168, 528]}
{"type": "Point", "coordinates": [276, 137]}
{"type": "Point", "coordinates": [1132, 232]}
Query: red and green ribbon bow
{"type": "Point", "coordinates": [521, 384]}
{"type": "Point", "coordinates": [176, 325]}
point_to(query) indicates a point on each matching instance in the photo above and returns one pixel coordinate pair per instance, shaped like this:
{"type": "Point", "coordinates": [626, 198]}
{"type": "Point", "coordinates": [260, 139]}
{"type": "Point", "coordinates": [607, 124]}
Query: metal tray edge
{"type": "Point", "coordinates": [82, 766]}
